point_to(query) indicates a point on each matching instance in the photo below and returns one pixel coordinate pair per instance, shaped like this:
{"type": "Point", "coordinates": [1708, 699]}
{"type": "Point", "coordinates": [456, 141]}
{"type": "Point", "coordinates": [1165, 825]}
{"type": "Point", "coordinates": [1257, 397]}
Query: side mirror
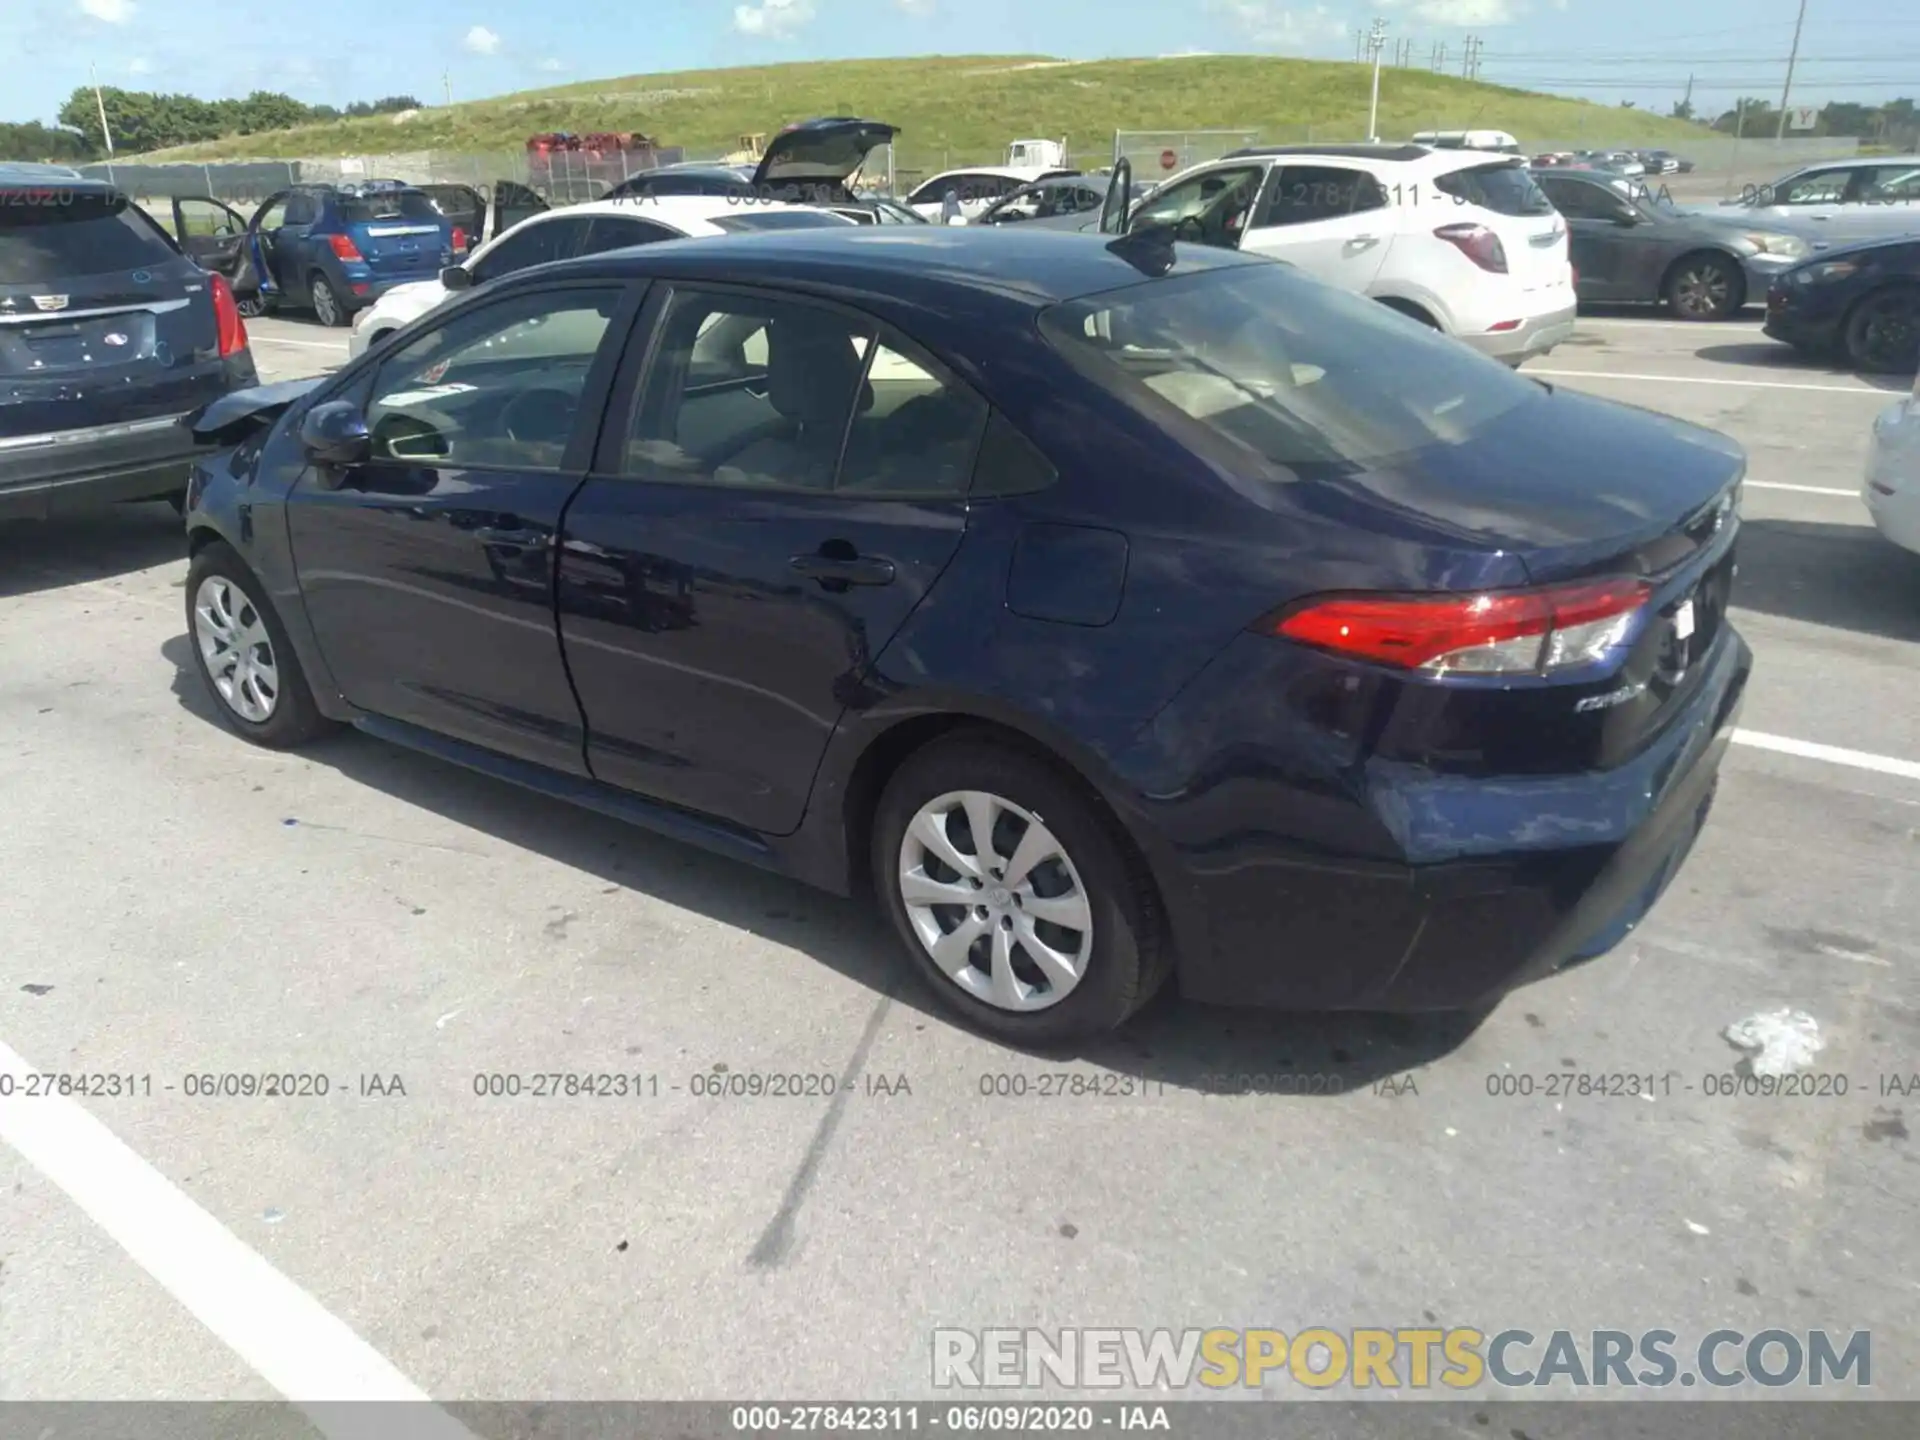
{"type": "Point", "coordinates": [335, 434]}
{"type": "Point", "coordinates": [1626, 219]}
{"type": "Point", "coordinates": [456, 277]}
{"type": "Point", "coordinates": [1119, 202]}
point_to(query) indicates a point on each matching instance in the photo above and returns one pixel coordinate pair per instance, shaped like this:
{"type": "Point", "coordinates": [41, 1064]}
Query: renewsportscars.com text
{"type": "Point", "coordinates": [1416, 1358]}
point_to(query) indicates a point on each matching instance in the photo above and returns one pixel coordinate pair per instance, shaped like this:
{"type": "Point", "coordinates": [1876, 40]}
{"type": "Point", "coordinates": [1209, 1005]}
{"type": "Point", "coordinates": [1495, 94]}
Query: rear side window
{"type": "Point", "coordinates": [74, 234]}
{"type": "Point", "coordinates": [1304, 193]}
{"type": "Point", "coordinates": [387, 205]}
{"type": "Point", "coordinates": [1505, 189]}
{"type": "Point", "coordinates": [1272, 374]}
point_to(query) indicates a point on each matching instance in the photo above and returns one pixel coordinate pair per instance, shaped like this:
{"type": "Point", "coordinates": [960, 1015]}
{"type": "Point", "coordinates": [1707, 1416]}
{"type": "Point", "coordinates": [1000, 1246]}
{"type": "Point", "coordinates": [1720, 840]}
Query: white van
{"type": "Point", "coordinates": [1496, 140]}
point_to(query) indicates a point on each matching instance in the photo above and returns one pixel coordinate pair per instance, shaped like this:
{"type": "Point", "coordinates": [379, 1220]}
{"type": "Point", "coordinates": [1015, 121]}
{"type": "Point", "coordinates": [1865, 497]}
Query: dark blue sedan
{"type": "Point", "coordinates": [1112, 610]}
{"type": "Point", "coordinates": [1860, 301]}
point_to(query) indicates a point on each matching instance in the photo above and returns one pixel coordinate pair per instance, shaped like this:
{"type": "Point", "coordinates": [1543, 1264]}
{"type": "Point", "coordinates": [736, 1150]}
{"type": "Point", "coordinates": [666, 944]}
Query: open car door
{"type": "Point", "coordinates": [1118, 206]}
{"type": "Point", "coordinates": [512, 202]}
{"type": "Point", "coordinates": [465, 209]}
{"type": "Point", "coordinates": [214, 235]}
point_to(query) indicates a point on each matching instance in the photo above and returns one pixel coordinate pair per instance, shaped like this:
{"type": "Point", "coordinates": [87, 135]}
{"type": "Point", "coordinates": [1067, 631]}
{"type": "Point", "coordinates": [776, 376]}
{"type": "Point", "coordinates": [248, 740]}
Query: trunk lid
{"type": "Point", "coordinates": [817, 156]}
{"type": "Point", "coordinates": [102, 320]}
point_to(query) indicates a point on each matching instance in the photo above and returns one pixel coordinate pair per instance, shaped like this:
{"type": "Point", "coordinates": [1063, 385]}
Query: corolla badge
{"type": "Point", "coordinates": [50, 302]}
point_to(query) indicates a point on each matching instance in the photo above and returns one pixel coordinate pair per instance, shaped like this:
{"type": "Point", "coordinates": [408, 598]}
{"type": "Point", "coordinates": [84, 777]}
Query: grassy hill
{"type": "Point", "coordinates": [968, 107]}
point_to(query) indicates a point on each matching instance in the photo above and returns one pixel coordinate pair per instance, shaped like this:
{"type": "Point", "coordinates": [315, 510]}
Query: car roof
{"type": "Point", "coordinates": [936, 282]}
{"type": "Point", "coordinates": [1027, 173]}
{"type": "Point", "coordinates": [1343, 152]}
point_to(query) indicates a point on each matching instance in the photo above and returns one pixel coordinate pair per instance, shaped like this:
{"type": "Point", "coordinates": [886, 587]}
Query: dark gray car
{"type": "Point", "coordinates": [1628, 246]}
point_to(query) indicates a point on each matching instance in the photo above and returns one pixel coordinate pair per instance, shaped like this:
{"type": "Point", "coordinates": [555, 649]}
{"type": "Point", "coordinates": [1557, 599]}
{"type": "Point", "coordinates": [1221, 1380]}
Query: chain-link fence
{"type": "Point", "coordinates": [1718, 166]}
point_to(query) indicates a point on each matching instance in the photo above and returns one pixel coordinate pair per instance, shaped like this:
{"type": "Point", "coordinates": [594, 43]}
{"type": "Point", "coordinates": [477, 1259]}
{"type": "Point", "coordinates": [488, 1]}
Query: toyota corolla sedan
{"type": "Point", "coordinates": [1111, 610]}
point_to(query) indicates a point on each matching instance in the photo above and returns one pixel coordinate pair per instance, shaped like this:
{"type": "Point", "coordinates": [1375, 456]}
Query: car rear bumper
{"type": "Point", "coordinates": [44, 475]}
{"type": "Point", "coordinates": [1537, 872]}
{"type": "Point", "coordinates": [1535, 335]}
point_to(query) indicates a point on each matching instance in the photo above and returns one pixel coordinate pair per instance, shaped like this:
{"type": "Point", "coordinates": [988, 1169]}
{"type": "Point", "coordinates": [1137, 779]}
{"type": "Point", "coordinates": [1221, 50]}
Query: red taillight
{"type": "Point", "coordinates": [343, 247]}
{"type": "Point", "coordinates": [459, 239]}
{"type": "Point", "coordinates": [226, 318]}
{"type": "Point", "coordinates": [1513, 632]}
{"type": "Point", "coordinates": [1478, 244]}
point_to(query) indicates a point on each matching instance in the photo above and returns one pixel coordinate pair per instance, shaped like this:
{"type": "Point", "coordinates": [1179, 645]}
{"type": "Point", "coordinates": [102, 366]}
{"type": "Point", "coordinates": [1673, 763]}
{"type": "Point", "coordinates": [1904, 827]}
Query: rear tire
{"type": "Point", "coordinates": [1704, 287]}
{"type": "Point", "coordinates": [1051, 848]}
{"type": "Point", "coordinates": [242, 653]}
{"type": "Point", "coordinates": [1882, 335]}
{"type": "Point", "coordinates": [328, 308]}
{"type": "Point", "coordinates": [1412, 312]}
{"type": "Point", "coordinates": [254, 307]}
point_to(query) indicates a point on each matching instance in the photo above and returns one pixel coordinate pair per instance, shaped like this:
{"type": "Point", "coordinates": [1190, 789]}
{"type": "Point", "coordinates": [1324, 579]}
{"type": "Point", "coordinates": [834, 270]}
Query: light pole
{"type": "Point", "coordinates": [99, 101]}
{"type": "Point", "coordinates": [1792, 55]}
{"type": "Point", "coordinates": [1376, 42]}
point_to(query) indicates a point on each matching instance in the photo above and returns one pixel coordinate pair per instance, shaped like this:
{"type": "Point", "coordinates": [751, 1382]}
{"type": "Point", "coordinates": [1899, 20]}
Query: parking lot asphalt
{"type": "Point", "coordinates": [178, 903]}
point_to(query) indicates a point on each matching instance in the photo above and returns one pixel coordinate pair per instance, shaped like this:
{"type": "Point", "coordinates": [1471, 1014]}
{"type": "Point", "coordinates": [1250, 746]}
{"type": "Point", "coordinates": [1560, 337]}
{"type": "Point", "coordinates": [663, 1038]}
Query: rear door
{"type": "Point", "coordinates": [1333, 221]}
{"type": "Point", "coordinates": [791, 484]}
{"type": "Point", "coordinates": [293, 255]}
{"type": "Point", "coordinates": [1503, 197]}
{"type": "Point", "coordinates": [401, 234]}
{"type": "Point", "coordinates": [102, 320]}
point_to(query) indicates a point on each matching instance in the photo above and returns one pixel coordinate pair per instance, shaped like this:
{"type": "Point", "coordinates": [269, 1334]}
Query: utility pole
{"type": "Point", "coordinates": [1440, 61]}
{"type": "Point", "coordinates": [1792, 56]}
{"type": "Point", "coordinates": [1376, 42]}
{"type": "Point", "coordinates": [446, 84]}
{"type": "Point", "coordinates": [106, 132]}
{"type": "Point", "coordinates": [1359, 44]}
{"type": "Point", "coordinates": [1470, 61]}
{"type": "Point", "coordinates": [1686, 101]}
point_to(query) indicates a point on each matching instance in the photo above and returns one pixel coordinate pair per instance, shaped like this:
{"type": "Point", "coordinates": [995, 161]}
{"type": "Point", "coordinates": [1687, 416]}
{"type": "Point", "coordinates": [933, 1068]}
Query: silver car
{"type": "Point", "coordinates": [1875, 199]}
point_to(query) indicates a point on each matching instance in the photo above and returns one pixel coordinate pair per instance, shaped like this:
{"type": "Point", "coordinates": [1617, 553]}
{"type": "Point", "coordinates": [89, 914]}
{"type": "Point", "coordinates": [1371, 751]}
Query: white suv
{"type": "Point", "coordinates": [1461, 240]}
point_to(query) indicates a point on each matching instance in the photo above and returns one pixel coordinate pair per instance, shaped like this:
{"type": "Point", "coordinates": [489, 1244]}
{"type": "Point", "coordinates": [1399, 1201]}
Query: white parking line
{"type": "Point", "coordinates": [1801, 489]}
{"type": "Point", "coordinates": [1832, 754]}
{"type": "Point", "coordinates": [1681, 327]}
{"type": "Point", "coordinates": [1887, 395]}
{"type": "Point", "coordinates": [260, 339]}
{"type": "Point", "coordinates": [282, 1332]}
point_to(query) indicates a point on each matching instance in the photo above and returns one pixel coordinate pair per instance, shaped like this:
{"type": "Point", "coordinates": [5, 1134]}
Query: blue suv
{"type": "Point", "coordinates": [332, 248]}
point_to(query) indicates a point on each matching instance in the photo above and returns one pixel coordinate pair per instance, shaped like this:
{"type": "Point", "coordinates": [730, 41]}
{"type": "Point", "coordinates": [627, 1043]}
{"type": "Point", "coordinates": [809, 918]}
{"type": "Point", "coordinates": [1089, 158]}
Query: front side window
{"type": "Point", "coordinates": [1211, 208]}
{"type": "Point", "coordinates": [1271, 372]}
{"type": "Point", "coordinates": [494, 388]}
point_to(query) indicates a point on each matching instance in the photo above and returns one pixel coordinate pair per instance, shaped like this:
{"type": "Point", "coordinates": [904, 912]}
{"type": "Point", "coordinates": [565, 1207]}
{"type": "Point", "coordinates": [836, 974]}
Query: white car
{"type": "Point", "coordinates": [976, 187]}
{"type": "Point", "coordinates": [582, 230]}
{"type": "Point", "coordinates": [1460, 240]}
{"type": "Point", "coordinates": [1892, 489]}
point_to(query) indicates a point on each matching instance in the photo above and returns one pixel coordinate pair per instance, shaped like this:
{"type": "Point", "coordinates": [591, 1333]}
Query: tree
{"type": "Point", "coordinates": [42, 143]}
{"type": "Point", "coordinates": [1683, 110]}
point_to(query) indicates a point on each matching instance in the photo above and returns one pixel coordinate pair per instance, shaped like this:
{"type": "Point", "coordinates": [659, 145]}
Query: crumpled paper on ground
{"type": "Point", "coordinates": [1777, 1042]}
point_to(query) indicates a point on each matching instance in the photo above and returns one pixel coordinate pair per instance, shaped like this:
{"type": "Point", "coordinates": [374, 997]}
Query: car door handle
{"type": "Point", "coordinates": [844, 569]}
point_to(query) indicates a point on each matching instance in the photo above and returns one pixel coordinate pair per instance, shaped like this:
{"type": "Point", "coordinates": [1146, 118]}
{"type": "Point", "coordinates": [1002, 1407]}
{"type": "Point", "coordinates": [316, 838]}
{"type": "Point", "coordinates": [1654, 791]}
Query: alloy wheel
{"type": "Point", "coordinates": [995, 900]}
{"type": "Point", "coordinates": [236, 649]}
{"type": "Point", "coordinates": [326, 305]}
{"type": "Point", "coordinates": [1887, 333]}
{"type": "Point", "coordinates": [1702, 291]}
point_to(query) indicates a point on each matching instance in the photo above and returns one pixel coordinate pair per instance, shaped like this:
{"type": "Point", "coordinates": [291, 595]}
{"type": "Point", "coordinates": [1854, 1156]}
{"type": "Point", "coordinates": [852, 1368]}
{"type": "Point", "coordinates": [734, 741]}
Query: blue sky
{"type": "Point", "coordinates": [1610, 50]}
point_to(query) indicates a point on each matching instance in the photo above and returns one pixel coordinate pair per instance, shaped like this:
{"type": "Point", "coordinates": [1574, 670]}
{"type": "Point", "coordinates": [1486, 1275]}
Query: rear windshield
{"type": "Point", "coordinates": [779, 220]}
{"type": "Point", "coordinates": [1505, 189]}
{"type": "Point", "coordinates": [49, 234]}
{"type": "Point", "coordinates": [387, 205]}
{"type": "Point", "coordinates": [1258, 363]}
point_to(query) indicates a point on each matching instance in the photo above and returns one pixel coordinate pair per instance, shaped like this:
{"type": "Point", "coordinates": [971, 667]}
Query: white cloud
{"type": "Point", "coordinates": [482, 41]}
{"type": "Point", "coordinates": [1465, 12]}
{"type": "Point", "coordinates": [139, 65]}
{"type": "Point", "coordinates": [919, 9]}
{"type": "Point", "coordinates": [112, 12]}
{"type": "Point", "coordinates": [775, 19]}
{"type": "Point", "coordinates": [553, 66]}
{"type": "Point", "coordinates": [1266, 23]}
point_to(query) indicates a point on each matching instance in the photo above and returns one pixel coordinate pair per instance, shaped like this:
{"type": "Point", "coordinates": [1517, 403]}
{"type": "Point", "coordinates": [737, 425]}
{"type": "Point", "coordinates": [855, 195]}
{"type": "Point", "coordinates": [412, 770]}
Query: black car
{"type": "Point", "coordinates": [109, 335]}
{"type": "Point", "coordinates": [1626, 246]}
{"type": "Point", "coordinates": [1861, 301]}
{"type": "Point", "coordinates": [1113, 609]}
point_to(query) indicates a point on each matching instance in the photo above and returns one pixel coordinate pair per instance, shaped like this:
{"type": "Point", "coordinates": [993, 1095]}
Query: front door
{"type": "Point", "coordinates": [791, 483]}
{"type": "Point", "coordinates": [263, 243]}
{"type": "Point", "coordinates": [212, 232]}
{"type": "Point", "coordinates": [428, 572]}
{"type": "Point", "coordinates": [1334, 222]}
{"type": "Point", "coordinates": [1211, 207]}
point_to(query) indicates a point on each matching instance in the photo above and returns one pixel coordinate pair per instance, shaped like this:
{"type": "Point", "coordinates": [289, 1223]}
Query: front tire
{"type": "Point", "coordinates": [1047, 930]}
{"type": "Point", "coordinates": [241, 651]}
{"type": "Point", "coordinates": [1882, 336]}
{"type": "Point", "coordinates": [328, 308]}
{"type": "Point", "coordinates": [1705, 287]}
